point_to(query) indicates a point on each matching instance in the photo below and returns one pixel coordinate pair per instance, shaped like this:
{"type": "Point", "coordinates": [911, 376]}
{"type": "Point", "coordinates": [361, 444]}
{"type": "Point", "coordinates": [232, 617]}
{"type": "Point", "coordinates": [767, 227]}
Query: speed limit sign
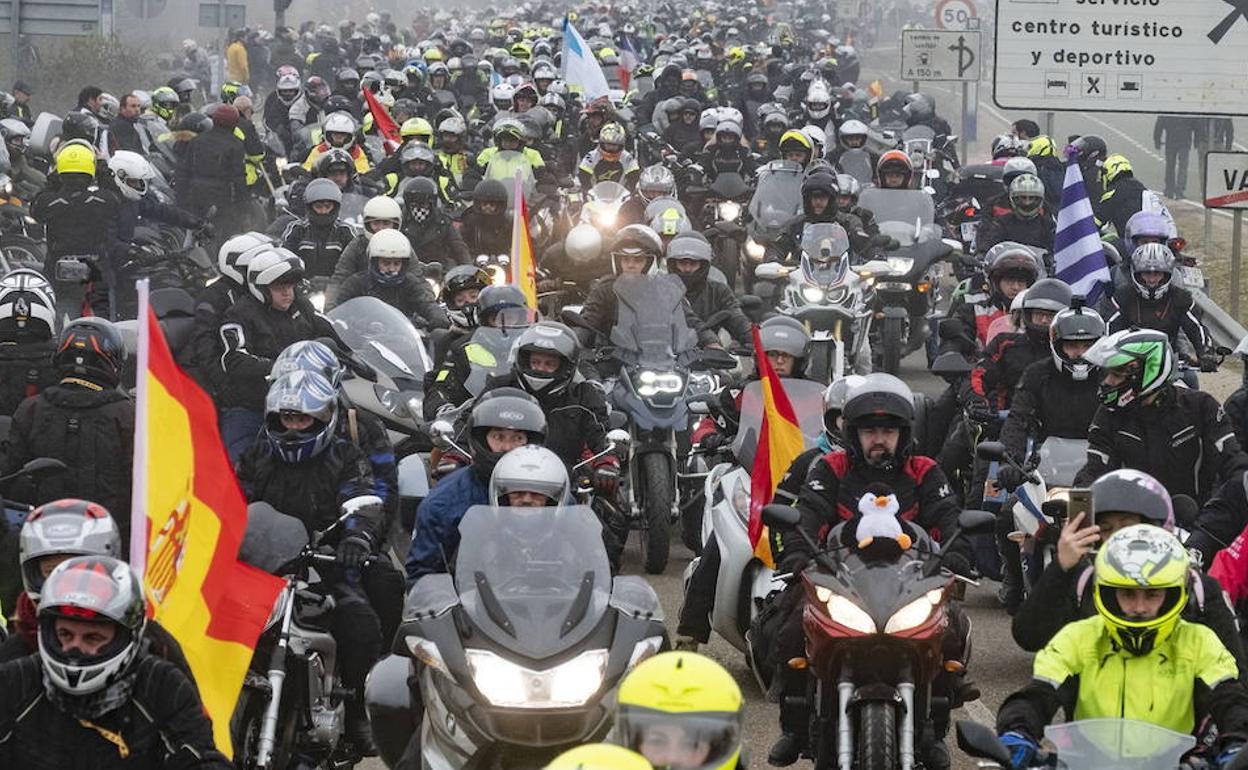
{"type": "Point", "coordinates": [957, 15]}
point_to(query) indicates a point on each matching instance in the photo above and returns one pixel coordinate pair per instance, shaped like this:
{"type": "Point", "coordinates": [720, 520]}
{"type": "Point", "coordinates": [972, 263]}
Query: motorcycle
{"type": "Point", "coordinates": [292, 706]}
{"type": "Point", "coordinates": [519, 653]}
{"type": "Point", "coordinates": [22, 242]}
{"type": "Point", "coordinates": [171, 257]}
{"type": "Point", "coordinates": [656, 353]}
{"type": "Point", "coordinates": [777, 200]}
{"type": "Point", "coordinates": [874, 628]}
{"type": "Point", "coordinates": [1090, 744]}
{"type": "Point", "coordinates": [723, 221]}
{"type": "Point", "coordinates": [831, 298]}
{"type": "Point", "coordinates": [744, 582]}
{"type": "Point", "coordinates": [604, 204]}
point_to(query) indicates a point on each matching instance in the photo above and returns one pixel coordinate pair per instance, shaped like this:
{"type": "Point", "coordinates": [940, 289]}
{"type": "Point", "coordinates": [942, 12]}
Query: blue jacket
{"type": "Point", "coordinates": [437, 522]}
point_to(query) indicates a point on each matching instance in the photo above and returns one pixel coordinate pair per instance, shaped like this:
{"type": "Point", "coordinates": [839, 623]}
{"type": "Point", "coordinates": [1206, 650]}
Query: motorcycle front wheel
{"type": "Point", "coordinates": [892, 342]}
{"type": "Point", "coordinates": [657, 486]}
{"type": "Point", "coordinates": [245, 730]}
{"type": "Point", "coordinates": [876, 746]}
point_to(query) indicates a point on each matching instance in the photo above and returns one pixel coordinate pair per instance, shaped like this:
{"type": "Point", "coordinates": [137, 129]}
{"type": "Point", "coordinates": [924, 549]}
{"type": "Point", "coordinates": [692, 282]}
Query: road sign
{"type": "Point", "coordinates": [1151, 56]}
{"type": "Point", "coordinates": [72, 18]}
{"type": "Point", "coordinates": [957, 14]}
{"type": "Point", "coordinates": [1226, 180]}
{"type": "Point", "coordinates": [928, 54]}
{"type": "Point", "coordinates": [222, 15]}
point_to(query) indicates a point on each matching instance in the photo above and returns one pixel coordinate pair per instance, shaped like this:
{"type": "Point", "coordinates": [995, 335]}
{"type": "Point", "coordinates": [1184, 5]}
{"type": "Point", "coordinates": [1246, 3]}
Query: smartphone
{"type": "Point", "coordinates": [1079, 500]}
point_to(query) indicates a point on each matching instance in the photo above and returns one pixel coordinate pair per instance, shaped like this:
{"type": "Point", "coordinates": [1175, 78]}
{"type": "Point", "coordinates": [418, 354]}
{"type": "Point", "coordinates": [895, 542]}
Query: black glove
{"type": "Point", "coordinates": [711, 441]}
{"type": "Point", "coordinates": [957, 564]}
{"type": "Point", "coordinates": [354, 550]}
{"type": "Point", "coordinates": [1208, 362]}
{"type": "Point", "coordinates": [1010, 478]}
{"type": "Point", "coordinates": [606, 480]}
{"type": "Point", "coordinates": [980, 410]}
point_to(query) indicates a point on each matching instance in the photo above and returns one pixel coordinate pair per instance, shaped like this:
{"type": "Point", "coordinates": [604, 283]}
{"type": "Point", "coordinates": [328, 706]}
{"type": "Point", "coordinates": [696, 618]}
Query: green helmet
{"type": "Point", "coordinates": [1142, 357]}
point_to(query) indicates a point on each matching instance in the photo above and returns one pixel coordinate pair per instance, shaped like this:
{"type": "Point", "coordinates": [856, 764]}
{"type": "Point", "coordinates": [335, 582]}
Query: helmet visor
{"type": "Point", "coordinates": [682, 741]}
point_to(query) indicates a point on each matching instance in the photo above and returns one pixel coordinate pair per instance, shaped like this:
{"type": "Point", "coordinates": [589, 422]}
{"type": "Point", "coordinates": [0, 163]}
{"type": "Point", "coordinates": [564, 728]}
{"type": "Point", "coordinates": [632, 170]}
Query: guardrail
{"type": "Point", "coordinates": [1224, 329]}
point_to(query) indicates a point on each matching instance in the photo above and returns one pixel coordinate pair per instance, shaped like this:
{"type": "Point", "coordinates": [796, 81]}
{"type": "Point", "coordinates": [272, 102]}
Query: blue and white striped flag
{"type": "Point", "coordinates": [1077, 250]}
{"type": "Point", "coordinates": [581, 70]}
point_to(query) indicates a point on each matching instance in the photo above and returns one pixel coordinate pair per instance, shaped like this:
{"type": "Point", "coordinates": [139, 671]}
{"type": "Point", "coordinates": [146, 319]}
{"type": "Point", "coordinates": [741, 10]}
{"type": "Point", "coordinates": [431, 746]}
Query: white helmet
{"type": "Point", "coordinates": [389, 244]}
{"type": "Point", "coordinates": [132, 172]}
{"type": "Point", "coordinates": [271, 266]}
{"type": "Point", "coordinates": [817, 137]}
{"type": "Point", "coordinates": [26, 299]}
{"type": "Point", "coordinates": [382, 208]}
{"type": "Point", "coordinates": [529, 468]}
{"type": "Point", "coordinates": [339, 123]}
{"type": "Point", "coordinates": [502, 94]}
{"type": "Point", "coordinates": [236, 252]}
{"type": "Point", "coordinates": [818, 101]}
{"type": "Point", "coordinates": [852, 128]}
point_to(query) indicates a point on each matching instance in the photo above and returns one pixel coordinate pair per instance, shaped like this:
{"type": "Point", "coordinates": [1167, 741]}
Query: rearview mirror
{"type": "Point", "coordinates": [781, 516]}
{"type": "Point", "coordinates": [874, 267]}
{"type": "Point", "coordinates": [951, 243]}
{"type": "Point", "coordinates": [974, 522]}
{"type": "Point", "coordinates": [770, 271]}
{"type": "Point", "coordinates": [619, 437]}
{"type": "Point", "coordinates": [981, 741]}
{"type": "Point", "coordinates": [441, 432]}
{"type": "Point", "coordinates": [950, 365]}
{"type": "Point", "coordinates": [41, 465]}
{"type": "Point", "coordinates": [990, 450]}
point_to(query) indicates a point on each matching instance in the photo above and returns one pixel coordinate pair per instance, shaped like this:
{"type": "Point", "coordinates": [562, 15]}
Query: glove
{"type": "Point", "coordinates": [1208, 362]}
{"type": "Point", "coordinates": [353, 550]}
{"type": "Point", "coordinates": [1010, 478]}
{"type": "Point", "coordinates": [711, 441]}
{"type": "Point", "coordinates": [606, 480]}
{"type": "Point", "coordinates": [980, 410]}
{"type": "Point", "coordinates": [958, 564]}
{"type": "Point", "coordinates": [1022, 749]}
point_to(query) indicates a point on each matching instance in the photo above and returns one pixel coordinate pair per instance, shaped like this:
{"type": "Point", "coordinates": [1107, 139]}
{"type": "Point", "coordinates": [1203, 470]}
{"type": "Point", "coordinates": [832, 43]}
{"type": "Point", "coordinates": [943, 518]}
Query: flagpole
{"type": "Point", "coordinates": [138, 490]}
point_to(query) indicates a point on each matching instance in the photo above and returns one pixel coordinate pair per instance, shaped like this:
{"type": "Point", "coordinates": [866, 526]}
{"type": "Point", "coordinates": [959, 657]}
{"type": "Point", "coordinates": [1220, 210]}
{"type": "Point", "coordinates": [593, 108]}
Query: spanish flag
{"type": "Point", "coordinates": [384, 123]}
{"type": "Point", "coordinates": [187, 522]}
{"type": "Point", "coordinates": [523, 265]}
{"type": "Point", "coordinates": [779, 444]}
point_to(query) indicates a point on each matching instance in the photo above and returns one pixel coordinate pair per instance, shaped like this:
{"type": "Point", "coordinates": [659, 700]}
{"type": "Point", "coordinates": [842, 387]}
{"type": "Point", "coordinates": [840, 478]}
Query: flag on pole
{"type": "Point", "coordinates": [523, 266]}
{"type": "Point", "coordinates": [385, 124]}
{"type": "Point", "coordinates": [1078, 253]}
{"type": "Point", "coordinates": [187, 522]}
{"type": "Point", "coordinates": [581, 70]}
{"type": "Point", "coordinates": [779, 444]}
{"type": "Point", "coordinates": [628, 61]}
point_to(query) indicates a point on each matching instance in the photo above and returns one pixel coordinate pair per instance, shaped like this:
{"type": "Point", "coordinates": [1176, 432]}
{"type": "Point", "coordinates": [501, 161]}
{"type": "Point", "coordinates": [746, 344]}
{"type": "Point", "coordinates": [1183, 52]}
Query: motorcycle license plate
{"type": "Point", "coordinates": [968, 231]}
{"type": "Point", "coordinates": [1194, 277]}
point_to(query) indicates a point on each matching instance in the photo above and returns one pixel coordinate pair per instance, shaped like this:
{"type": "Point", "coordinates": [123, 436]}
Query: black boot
{"type": "Point", "coordinates": [785, 751]}
{"type": "Point", "coordinates": [359, 733]}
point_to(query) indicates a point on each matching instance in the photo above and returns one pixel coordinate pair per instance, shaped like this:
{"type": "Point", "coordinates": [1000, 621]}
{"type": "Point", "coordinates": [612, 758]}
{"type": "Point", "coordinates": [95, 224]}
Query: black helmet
{"type": "Point", "coordinates": [553, 338]}
{"type": "Point", "coordinates": [1130, 491]}
{"type": "Point", "coordinates": [1075, 323]}
{"type": "Point", "coordinates": [1050, 295]}
{"type": "Point", "coordinates": [490, 190]}
{"type": "Point", "coordinates": [637, 240]}
{"type": "Point", "coordinates": [881, 400]}
{"type": "Point", "coordinates": [1090, 151]}
{"type": "Point", "coordinates": [195, 122]}
{"type": "Point", "coordinates": [693, 246]}
{"type": "Point", "coordinates": [79, 125]}
{"type": "Point", "coordinates": [819, 183]}
{"type": "Point", "coordinates": [508, 408]}
{"type": "Point", "coordinates": [91, 349]}
{"type": "Point", "coordinates": [503, 306]}
{"type": "Point", "coordinates": [420, 198]}
{"type": "Point", "coordinates": [339, 103]}
{"type": "Point", "coordinates": [347, 81]}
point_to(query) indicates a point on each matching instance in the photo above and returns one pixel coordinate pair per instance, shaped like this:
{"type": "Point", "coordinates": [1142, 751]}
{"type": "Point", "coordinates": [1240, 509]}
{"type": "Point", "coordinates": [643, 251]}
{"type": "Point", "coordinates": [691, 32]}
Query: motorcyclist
{"type": "Point", "coordinates": [132, 174]}
{"type": "Point", "coordinates": [272, 315]}
{"type": "Point", "coordinates": [1153, 300]}
{"type": "Point", "coordinates": [380, 213]}
{"type": "Point", "coordinates": [728, 154]}
{"type": "Point", "coordinates": [1123, 195]}
{"type": "Point", "coordinates": [879, 418]}
{"type": "Point", "coordinates": [320, 238]}
{"type": "Point", "coordinates": [93, 694]}
{"type": "Point", "coordinates": [504, 420]}
{"type": "Point", "coordinates": [819, 195]}
{"type": "Point", "coordinates": [508, 137]}
{"type": "Point", "coordinates": [1107, 665]}
{"type": "Point", "coordinates": [485, 226]}
{"type": "Point", "coordinates": [339, 132]}
{"type": "Point", "coordinates": [635, 250]}
{"type": "Point", "coordinates": [689, 258]}
{"type": "Point", "coordinates": [28, 328]}
{"type": "Point", "coordinates": [1179, 436]}
{"type": "Point", "coordinates": [1029, 221]}
{"type": "Point", "coordinates": [211, 170]}
{"type": "Point", "coordinates": [301, 466]}
{"type": "Point", "coordinates": [461, 287]}
{"type": "Point", "coordinates": [851, 135]}
{"type": "Point", "coordinates": [894, 171]}
{"type": "Point", "coordinates": [1049, 167]}
{"type": "Point", "coordinates": [683, 711]}
{"type": "Point", "coordinates": [920, 110]}
{"type": "Point", "coordinates": [452, 153]}
{"type": "Point", "coordinates": [1011, 268]}
{"type": "Point", "coordinates": [847, 190]}
{"type": "Point", "coordinates": [796, 147]}
{"type": "Point", "coordinates": [429, 228]}
{"type": "Point", "coordinates": [84, 420]}
{"type": "Point", "coordinates": [684, 131]}
{"type": "Point", "coordinates": [212, 302]}
{"type": "Point", "coordinates": [80, 220]}
{"type": "Point", "coordinates": [390, 279]}
{"type": "Point", "coordinates": [27, 179]}
{"type": "Point", "coordinates": [609, 161]}
{"type": "Point", "coordinates": [1064, 594]}
{"type": "Point", "coordinates": [278, 104]}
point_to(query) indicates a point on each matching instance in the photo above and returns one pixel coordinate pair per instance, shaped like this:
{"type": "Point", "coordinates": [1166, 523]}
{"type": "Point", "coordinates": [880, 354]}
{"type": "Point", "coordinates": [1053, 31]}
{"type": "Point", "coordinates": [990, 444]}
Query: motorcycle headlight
{"type": "Point", "coordinates": [915, 613]}
{"type": "Point", "coordinates": [605, 216]}
{"type": "Point", "coordinates": [643, 650]}
{"type": "Point", "coordinates": [845, 612]}
{"type": "Point", "coordinates": [813, 294]}
{"type": "Point", "coordinates": [569, 684]}
{"type": "Point", "coordinates": [900, 265]}
{"type": "Point", "coordinates": [754, 250]}
{"type": "Point", "coordinates": [317, 298]}
{"type": "Point", "coordinates": [651, 383]}
{"type": "Point", "coordinates": [728, 210]}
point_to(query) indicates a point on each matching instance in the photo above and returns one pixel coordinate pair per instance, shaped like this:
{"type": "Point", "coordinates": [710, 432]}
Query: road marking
{"type": "Point", "coordinates": [977, 711]}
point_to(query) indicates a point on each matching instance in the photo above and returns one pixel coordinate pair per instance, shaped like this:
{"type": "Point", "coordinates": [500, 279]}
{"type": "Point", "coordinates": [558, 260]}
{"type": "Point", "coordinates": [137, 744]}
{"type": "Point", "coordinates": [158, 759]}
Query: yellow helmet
{"type": "Point", "coordinates": [1041, 147]}
{"type": "Point", "coordinates": [599, 756]}
{"type": "Point", "coordinates": [736, 55]}
{"type": "Point", "coordinates": [795, 137]}
{"type": "Point", "coordinates": [1142, 556]}
{"type": "Point", "coordinates": [75, 159]}
{"type": "Point", "coordinates": [432, 55]}
{"type": "Point", "coordinates": [683, 711]}
{"type": "Point", "coordinates": [1113, 167]}
{"type": "Point", "coordinates": [521, 50]}
{"type": "Point", "coordinates": [418, 128]}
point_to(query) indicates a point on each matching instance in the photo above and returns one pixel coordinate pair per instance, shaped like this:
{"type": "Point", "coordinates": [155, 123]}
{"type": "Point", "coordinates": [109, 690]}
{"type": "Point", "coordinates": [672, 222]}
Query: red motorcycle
{"type": "Point", "coordinates": [875, 623]}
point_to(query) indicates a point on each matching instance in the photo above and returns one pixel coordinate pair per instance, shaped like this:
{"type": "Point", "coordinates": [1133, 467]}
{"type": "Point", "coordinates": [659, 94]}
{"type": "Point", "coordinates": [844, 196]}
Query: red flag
{"type": "Point", "coordinates": [779, 444]}
{"type": "Point", "coordinates": [382, 120]}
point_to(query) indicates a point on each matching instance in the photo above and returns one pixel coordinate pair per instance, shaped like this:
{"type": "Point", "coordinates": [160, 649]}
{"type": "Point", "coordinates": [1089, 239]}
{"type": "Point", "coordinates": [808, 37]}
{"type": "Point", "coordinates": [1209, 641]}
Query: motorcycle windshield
{"type": "Point", "coordinates": [806, 396]}
{"type": "Point", "coordinates": [504, 166]}
{"type": "Point", "coordinates": [918, 134]}
{"type": "Point", "coordinates": [1061, 459]}
{"type": "Point", "coordinates": [489, 355]}
{"type": "Point", "coordinates": [1117, 744]}
{"type": "Point", "coordinates": [272, 538]}
{"type": "Point", "coordinates": [857, 163]}
{"type": "Point", "coordinates": [729, 185]}
{"type": "Point", "coordinates": [906, 206]}
{"type": "Point", "coordinates": [608, 192]}
{"type": "Point", "coordinates": [352, 210]}
{"type": "Point", "coordinates": [381, 335]}
{"type": "Point", "coordinates": [825, 254]}
{"type": "Point", "coordinates": [650, 322]}
{"type": "Point", "coordinates": [777, 198]}
{"type": "Point", "coordinates": [657, 206]}
{"type": "Point", "coordinates": [535, 580]}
